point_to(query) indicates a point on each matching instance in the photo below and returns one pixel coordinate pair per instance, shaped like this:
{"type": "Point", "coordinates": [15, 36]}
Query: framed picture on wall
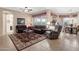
{"type": "Point", "coordinates": [20, 21]}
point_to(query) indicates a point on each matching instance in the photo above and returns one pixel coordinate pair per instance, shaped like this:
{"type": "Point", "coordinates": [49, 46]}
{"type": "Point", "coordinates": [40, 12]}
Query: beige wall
{"type": "Point", "coordinates": [1, 23]}
{"type": "Point", "coordinates": [28, 18]}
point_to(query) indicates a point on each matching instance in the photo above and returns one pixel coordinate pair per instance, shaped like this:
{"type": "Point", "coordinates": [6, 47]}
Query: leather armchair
{"type": "Point", "coordinates": [55, 34]}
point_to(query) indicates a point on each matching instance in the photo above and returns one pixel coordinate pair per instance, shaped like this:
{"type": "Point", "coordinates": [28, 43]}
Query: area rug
{"type": "Point", "coordinates": [24, 40]}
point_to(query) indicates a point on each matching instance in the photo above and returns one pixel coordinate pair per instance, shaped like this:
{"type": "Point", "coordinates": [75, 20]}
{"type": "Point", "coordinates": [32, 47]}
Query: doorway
{"type": "Point", "coordinates": [7, 23]}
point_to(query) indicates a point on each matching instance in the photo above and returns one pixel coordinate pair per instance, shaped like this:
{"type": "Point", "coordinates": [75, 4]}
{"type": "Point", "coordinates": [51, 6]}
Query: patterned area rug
{"type": "Point", "coordinates": [24, 40]}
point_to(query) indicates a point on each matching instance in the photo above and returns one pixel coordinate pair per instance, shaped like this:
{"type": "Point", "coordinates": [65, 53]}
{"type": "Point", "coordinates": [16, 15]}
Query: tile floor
{"type": "Point", "coordinates": [66, 42]}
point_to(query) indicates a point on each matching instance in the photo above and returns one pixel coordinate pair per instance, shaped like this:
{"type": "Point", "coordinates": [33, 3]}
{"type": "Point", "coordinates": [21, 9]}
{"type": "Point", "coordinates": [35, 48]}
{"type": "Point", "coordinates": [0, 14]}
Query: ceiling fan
{"type": "Point", "coordinates": [27, 9]}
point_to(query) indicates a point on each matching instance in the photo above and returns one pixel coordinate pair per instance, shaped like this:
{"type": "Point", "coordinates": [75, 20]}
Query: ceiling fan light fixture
{"type": "Point", "coordinates": [27, 9]}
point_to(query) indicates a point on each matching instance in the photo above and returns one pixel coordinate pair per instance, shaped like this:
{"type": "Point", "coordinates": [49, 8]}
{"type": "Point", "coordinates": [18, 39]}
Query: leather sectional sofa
{"type": "Point", "coordinates": [37, 28]}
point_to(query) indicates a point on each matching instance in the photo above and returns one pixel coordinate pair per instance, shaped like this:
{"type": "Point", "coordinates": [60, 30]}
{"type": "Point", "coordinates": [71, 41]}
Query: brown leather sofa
{"type": "Point", "coordinates": [55, 34]}
{"type": "Point", "coordinates": [40, 29]}
{"type": "Point", "coordinates": [20, 28]}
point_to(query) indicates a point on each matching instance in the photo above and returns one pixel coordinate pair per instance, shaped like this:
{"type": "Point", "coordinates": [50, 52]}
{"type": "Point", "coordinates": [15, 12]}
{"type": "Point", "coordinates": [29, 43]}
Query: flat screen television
{"type": "Point", "coordinates": [20, 21]}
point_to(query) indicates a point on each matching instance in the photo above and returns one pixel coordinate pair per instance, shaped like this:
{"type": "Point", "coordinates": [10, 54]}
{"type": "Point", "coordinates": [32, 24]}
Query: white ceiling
{"type": "Point", "coordinates": [35, 10]}
{"type": "Point", "coordinates": [65, 9]}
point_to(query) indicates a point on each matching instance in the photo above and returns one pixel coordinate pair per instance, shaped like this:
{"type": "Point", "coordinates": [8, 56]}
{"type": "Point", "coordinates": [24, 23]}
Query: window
{"type": "Point", "coordinates": [68, 21]}
{"type": "Point", "coordinates": [39, 21]}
